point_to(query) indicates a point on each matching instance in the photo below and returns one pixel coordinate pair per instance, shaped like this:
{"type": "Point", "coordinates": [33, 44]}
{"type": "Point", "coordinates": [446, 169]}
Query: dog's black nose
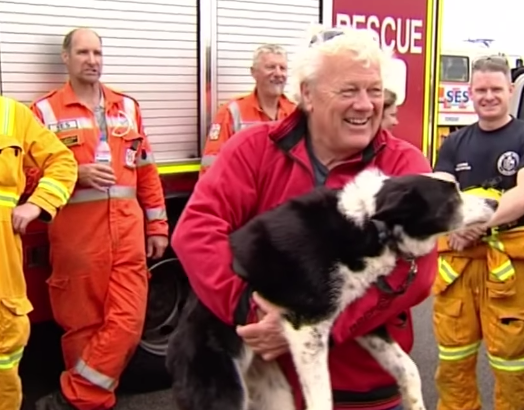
{"type": "Point", "coordinates": [492, 203]}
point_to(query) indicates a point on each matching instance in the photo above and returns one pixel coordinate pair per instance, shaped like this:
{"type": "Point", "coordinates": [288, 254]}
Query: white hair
{"type": "Point", "coordinates": [362, 44]}
{"type": "Point", "coordinates": [267, 49]}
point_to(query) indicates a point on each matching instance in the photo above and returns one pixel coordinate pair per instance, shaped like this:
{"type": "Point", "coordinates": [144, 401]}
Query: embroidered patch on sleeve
{"type": "Point", "coordinates": [214, 132]}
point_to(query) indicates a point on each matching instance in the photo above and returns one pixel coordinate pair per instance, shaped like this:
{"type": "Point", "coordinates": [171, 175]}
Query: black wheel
{"type": "Point", "coordinates": [168, 290]}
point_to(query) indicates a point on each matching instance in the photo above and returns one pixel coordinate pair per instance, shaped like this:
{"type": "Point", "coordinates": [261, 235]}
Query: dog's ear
{"type": "Point", "coordinates": [397, 204]}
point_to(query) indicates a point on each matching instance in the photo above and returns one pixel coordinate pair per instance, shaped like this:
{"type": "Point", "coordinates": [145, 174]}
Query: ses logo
{"type": "Point", "coordinates": [454, 97]}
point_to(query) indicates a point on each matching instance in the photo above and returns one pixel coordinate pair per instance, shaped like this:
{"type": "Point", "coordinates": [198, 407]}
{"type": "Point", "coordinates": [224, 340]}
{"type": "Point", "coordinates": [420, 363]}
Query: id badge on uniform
{"type": "Point", "coordinates": [130, 159]}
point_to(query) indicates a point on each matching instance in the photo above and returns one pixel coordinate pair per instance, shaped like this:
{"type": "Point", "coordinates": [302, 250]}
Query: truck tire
{"type": "Point", "coordinates": [168, 289]}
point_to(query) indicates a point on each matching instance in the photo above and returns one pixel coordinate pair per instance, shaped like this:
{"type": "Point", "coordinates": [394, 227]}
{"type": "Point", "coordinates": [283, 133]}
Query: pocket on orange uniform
{"type": "Point", "coordinates": [450, 323]}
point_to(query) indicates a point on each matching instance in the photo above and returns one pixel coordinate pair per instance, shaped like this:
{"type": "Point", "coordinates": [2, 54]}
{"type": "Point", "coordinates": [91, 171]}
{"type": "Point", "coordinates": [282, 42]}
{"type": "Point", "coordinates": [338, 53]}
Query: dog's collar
{"type": "Point", "coordinates": [386, 237]}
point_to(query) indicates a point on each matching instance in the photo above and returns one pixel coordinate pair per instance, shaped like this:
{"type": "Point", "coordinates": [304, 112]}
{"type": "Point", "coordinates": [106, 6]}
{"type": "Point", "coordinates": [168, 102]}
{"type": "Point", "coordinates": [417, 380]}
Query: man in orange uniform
{"type": "Point", "coordinates": [98, 287]}
{"type": "Point", "coordinates": [267, 102]}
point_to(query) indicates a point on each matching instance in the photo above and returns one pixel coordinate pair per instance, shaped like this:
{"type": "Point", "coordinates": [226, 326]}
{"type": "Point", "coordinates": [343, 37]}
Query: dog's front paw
{"type": "Point", "coordinates": [414, 403]}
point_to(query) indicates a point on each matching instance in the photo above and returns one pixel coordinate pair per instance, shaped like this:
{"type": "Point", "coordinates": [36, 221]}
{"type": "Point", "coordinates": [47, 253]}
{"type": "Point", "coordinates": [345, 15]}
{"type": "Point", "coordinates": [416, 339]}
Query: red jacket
{"type": "Point", "coordinates": [258, 169]}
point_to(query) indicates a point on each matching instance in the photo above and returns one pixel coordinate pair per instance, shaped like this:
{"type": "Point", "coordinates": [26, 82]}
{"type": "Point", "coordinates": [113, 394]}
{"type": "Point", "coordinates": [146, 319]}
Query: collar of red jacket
{"type": "Point", "coordinates": [293, 129]}
{"type": "Point", "coordinates": [69, 97]}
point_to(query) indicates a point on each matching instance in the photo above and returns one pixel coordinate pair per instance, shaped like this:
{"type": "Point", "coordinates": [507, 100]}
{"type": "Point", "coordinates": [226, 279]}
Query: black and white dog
{"type": "Point", "coordinates": [312, 256]}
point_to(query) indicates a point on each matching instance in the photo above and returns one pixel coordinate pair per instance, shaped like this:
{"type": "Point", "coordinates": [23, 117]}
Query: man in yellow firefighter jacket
{"type": "Point", "coordinates": [24, 142]}
{"type": "Point", "coordinates": [479, 292]}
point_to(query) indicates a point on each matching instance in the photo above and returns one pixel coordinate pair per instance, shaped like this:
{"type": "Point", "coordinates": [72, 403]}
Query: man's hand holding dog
{"type": "Point", "coordinates": [459, 241]}
{"type": "Point", "coordinates": [265, 337]}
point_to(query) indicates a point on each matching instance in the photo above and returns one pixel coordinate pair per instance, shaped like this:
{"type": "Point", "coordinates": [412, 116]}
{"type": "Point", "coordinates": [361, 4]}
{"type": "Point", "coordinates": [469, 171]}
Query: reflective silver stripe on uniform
{"type": "Point", "coordinates": [114, 192]}
{"type": "Point", "coordinates": [207, 160]}
{"type": "Point", "coordinates": [130, 110]}
{"type": "Point", "coordinates": [234, 110]}
{"type": "Point", "coordinates": [48, 115]}
{"type": "Point", "coordinates": [145, 158]}
{"type": "Point", "coordinates": [94, 376]}
{"type": "Point", "coordinates": [156, 214]}
{"type": "Point", "coordinates": [238, 124]}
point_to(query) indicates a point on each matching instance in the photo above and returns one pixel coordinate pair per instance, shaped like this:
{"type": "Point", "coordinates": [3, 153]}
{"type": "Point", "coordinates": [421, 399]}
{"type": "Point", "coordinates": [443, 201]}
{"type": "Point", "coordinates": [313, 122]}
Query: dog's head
{"type": "Point", "coordinates": [416, 209]}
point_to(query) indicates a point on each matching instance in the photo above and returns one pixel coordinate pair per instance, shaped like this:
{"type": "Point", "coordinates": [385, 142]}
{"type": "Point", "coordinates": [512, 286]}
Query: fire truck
{"type": "Point", "coordinates": [455, 107]}
{"type": "Point", "coordinates": [181, 59]}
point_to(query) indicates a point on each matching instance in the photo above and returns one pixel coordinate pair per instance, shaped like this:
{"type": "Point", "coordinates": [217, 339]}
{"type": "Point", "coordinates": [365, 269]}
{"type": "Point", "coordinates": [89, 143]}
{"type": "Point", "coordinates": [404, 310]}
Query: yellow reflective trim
{"type": "Point", "coordinates": [446, 271]}
{"type": "Point", "coordinates": [55, 187]}
{"type": "Point", "coordinates": [515, 365]}
{"type": "Point", "coordinates": [7, 120]}
{"type": "Point", "coordinates": [8, 199]}
{"type": "Point", "coordinates": [495, 244]}
{"type": "Point", "coordinates": [504, 271]}
{"type": "Point", "coordinates": [10, 361]}
{"type": "Point", "coordinates": [480, 192]}
{"type": "Point", "coordinates": [178, 169]}
{"type": "Point", "coordinates": [458, 353]}
{"type": "Point", "coordinates": [4, 119]}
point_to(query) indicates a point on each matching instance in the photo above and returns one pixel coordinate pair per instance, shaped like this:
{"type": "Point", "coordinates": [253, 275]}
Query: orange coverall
{"type": "Point", "coordinates": [98, 287]}
{"type": "Point", "coordinates": [24, 142]}
{"type": "Point", "coordinates": [480, 295]}
{"type": "Point", "coordinates": [232, 117]}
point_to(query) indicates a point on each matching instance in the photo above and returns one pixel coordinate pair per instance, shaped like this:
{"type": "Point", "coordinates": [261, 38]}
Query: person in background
{"type": "Point", "coordinates": [267, 102]}
{"type": "Point", "coordinates": [332, 135]}
{"type": "Point", "coordinates": [24, 142]}
{"type": "Point", "coordinates": [389, 117]}
{"type": "Point", "coordinates": [479, 291]}
{"type": "Point", "coordinates": [99, 242]}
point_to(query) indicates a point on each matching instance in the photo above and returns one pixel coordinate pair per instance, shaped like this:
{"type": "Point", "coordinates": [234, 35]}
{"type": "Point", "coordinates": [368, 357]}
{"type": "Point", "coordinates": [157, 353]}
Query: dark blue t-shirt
{"type": "Point", "coordinates": [477, 157]}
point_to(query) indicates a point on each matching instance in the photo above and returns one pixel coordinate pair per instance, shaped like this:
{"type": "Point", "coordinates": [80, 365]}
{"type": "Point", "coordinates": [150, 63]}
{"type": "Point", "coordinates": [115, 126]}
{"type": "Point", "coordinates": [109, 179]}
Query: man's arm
{"type": "Point", "coordinates": [362, 316]}
{"type": "Point", "coordinates": [56, 162]}
{"type": "Point", "coordinates": [223, 200]}
{"type": "Point", "coordinates": [149, 188]}
{"type": "Point", "coordinates": [220, 132]}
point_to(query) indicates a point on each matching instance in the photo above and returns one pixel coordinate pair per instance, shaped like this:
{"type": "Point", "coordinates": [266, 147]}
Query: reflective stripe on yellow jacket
{"type": "Point", "coordinates": [498, 251]}
{"type": "Point", "coordinates": [25, 142]}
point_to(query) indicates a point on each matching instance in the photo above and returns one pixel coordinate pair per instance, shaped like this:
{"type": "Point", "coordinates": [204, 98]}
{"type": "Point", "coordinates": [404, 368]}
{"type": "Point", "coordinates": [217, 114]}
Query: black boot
{"type": "Point", "coordinates": [54, 401]}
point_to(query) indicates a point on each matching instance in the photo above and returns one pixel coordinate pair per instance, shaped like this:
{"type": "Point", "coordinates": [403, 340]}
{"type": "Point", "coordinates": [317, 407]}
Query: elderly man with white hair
{"type": "Point", "coordinates": [334, 134]}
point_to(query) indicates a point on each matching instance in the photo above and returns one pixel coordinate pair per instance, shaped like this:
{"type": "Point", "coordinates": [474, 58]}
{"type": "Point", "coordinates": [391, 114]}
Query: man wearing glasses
{"type": "Point", "coordinates": [480, 286]}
